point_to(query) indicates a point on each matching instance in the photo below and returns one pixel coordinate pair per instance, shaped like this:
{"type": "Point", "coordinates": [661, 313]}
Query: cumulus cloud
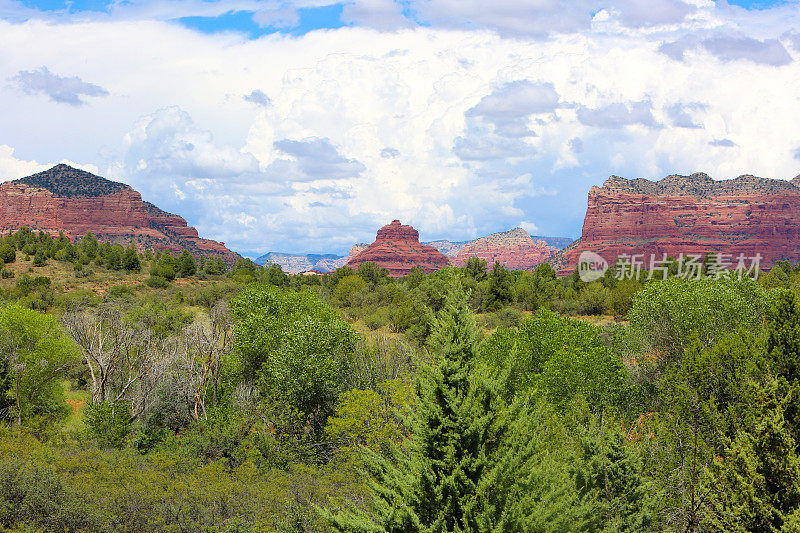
{"type": "Point", "coordinates": [482, 146]}
{"type": "Point", "coordinates": [317, 159]}
{"type": "Point", "coordinates": [730, 48]}
{"type": "Point", "coordinates": [60, 89]}
{"type": "Point", "coordinates": [682, 115]}
{"type": "Point", "coordinates": [458, 125]}
{"type": "Point", "coordinates": [767, 52]}
{"type": "Point", "coordinates": [794, 38]}
{"type": "Point", "coordinates": [379, 14]}
{"type": "Point", "coordinates": [277, 17]}
{"type": "Point", "coordinates": [727, 143]}
{"type": "Point", "coordinates": [168, 143]}
{"type": "Point", "coordinates": [12, 168]}
{"type": "Point", "coordinates": [640, 13]}
{"type": "Point", "coordinates": [509, 107]}
{"type": "Point", "coordinates": [513, 18]}
{"type": "Point", "coordinates": [257, 97]}
{"type": "Point", "coordinates": [617, 115]}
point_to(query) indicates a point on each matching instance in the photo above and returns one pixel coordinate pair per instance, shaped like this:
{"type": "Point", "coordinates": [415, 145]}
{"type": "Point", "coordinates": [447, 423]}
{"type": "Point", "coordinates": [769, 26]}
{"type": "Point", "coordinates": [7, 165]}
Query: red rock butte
{"type": "Point", "coordinates": [690, 215]}
{"type": "Point", "coordinates": [514, 249]}
{"type": "Point", "coordinates": [397, 249]}
{"type": "Point", "coordinates": [76, 202]}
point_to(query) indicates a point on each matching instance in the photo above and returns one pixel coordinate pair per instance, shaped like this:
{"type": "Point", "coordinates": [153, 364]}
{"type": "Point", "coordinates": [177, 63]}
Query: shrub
{"type": "Point", "coordinates": [157, 282]}
{"type": "Point", "coordinates": [8, 254]}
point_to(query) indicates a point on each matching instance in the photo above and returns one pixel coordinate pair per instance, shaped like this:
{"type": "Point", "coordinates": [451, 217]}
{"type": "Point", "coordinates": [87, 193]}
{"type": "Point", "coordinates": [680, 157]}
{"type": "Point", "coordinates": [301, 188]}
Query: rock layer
{"type": "Point", "coordinates": [76, 202]}
{"type": "Point", "coordinates": [397, 248]}
{"type": "Point", "coordinates": [691, 215]}
{"type": "Point", "coordinates": [514, 249]}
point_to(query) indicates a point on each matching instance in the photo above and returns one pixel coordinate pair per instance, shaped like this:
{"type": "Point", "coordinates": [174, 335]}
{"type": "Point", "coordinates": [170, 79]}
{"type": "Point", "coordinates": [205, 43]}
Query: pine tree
{"type": "Point", "coordinates": [432, 484]}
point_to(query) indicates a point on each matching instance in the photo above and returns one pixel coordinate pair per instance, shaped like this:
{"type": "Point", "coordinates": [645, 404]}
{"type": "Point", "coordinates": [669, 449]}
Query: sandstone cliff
{"type": "Point", "coordinates": [514, 249]}
{"type": "Point", "coordinates": [77, 202]}
{"type": "Point", "coordinates": [397, 248]}
{"type": "Point", "coordinates": [691, 215]}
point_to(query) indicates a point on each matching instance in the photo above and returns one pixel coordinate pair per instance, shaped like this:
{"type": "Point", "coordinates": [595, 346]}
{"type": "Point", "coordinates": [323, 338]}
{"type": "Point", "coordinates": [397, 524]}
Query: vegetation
{"type": "Point", "coordinates": [158, 391]}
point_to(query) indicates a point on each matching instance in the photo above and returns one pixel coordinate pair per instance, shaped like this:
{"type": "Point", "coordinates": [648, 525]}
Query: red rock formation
{"type": "Point", "coordinates": [77, 202]}
{"type": "Point", "coordinates": [514, 249]}
{"type": "Point", "coordinates": [691, 215]}
{"type": "Point", "coordinates": [397, 248]}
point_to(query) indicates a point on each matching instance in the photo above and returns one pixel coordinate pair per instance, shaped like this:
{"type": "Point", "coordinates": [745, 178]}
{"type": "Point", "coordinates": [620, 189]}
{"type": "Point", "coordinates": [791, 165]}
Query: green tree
{"type": "Point", "coordinates": [499, 288]}
{"type": "Point", "coordinates": [88, 246]}
{"type": "Point", "coordinates": [215, 266]}
{"type": "Point", "coordinates": [40, 259]}
{"type": "Point", "coordinates": [414, 277]}
{"type": "Point", "coordinates": [348, 290]}
{"type": "Point", "coordinates": [372, 273]}
{"type": "Point", "coordinates": [475, 268]}
{"type": "Point", "coordinates": [38, 351]}
{"type": "Point", "coordinates": [8, 254]}
{"type": "Point", "coordinates": [456, 431]}
{"type": "Point", "coordinates": [757, 482]}
{"type": "Point", "coordinates": [276, 276]}
{"type": "Point", "coordinates": [130, 260]}
{"type": "Point", "coordinates": [108, 422]}
{"type": "Point", "coordinates": [295, 347]}
{"type": "Point", "coordinates": [667, 315]}
{"type": "Point", "coordinates": [185, 264]}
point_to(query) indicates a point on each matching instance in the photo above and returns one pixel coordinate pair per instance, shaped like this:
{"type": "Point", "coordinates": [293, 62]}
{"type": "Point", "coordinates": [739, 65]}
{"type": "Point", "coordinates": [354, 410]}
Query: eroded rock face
{"type": "Point", "coordinates": [514, 249]}
{"type": "Point", "coordinates": [397, 248]}
{"type": "Point", "coordinates": [77, 202]}
{"type": "Point", "coordinates": [691, 215]}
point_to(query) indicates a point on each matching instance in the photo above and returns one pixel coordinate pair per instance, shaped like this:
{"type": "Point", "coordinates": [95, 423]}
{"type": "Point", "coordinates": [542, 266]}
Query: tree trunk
{"type": "Point", "coordinates": [18, 421]}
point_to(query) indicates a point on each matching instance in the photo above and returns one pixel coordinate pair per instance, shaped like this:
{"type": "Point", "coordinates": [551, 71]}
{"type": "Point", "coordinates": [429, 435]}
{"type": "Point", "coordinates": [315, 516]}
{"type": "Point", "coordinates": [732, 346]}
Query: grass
{"type": "Point", "coordinates": [76, 399]}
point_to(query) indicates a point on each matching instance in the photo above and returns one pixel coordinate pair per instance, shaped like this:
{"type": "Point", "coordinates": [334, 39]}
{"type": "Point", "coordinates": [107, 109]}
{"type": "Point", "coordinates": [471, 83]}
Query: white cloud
{"type": "Point", "coordinates": [461, 129]}
{"type": "Point", "coordinates": [12, 168]}
{"type": "Point", "coordinates": [617, 115]}
{"type": "Point", "coordinates": [61, 89]}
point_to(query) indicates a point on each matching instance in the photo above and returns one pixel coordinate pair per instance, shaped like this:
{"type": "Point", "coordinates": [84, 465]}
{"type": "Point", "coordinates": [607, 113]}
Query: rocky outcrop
{"type": "Point", "coordinates": [448, 248]}
{"type": "Point", "coordinates": [514, 249]}
{"type": "Point", "coordinates": [397, 248]}
{"type": "Point", "coordinates": [76, 202]}
{"type": "Point", "coordinates": [691, 215]}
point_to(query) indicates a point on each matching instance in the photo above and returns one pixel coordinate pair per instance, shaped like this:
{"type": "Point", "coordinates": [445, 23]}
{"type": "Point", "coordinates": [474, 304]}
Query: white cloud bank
{"type": "Point", "coordinates": [481, 123]}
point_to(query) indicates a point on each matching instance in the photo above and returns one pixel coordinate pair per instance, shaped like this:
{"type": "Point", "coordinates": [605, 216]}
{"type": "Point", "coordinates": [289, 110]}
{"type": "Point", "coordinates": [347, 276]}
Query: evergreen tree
{"type": "Point", "coordinates": [130, 259]}
{"type": "Point", "coordinates": [783, 335]}
{"type": "Point", "coordinates": [475, 268]}
{"type": "Point", "coordinates": [499, 288]}
{"type": "Point", "coordinates": [185, 264]}
{"type": "Point", "coordinates": [431, 485]}
{"type": "Point", "coordinates": [7, 252]}
{"type": "Point", "coordinates": [40, 259]}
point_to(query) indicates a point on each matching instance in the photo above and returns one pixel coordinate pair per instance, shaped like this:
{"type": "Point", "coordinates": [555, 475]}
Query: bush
{"type": "Point", "coordinates": [40, 259]}
{"type": "Point", "coordinates": [378, 319]}
{"type": "Point", "coordinates": [108, 422]}
{"type": "Point", "coordinates": [8, 254]}
{"type": "Point", "coordinates": [120, 291]}
{"type": "Point", "coordinates": [157, 282]}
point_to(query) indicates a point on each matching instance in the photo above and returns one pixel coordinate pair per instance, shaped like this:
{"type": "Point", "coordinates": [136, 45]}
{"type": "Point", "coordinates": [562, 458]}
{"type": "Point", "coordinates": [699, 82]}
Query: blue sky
{"type": "Point", "coordinates": [309, 18]}
{"type": "Point", "coordinates": [304, 126]}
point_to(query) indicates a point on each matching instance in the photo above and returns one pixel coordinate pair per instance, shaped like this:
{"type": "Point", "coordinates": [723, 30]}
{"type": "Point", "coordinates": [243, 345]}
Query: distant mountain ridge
{"type": "Point", "coordinates": [68, 199]}
{"type": "Point", "coordinates": [531, 248]}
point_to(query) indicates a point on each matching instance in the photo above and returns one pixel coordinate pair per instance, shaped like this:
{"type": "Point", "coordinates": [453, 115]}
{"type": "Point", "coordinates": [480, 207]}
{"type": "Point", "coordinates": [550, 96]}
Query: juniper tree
{"type": "Point", "coordinates": [431, 483]}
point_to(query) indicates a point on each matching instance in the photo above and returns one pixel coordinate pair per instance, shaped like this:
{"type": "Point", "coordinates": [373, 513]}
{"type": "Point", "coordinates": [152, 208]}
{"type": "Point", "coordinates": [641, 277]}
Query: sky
{"type": "Point", "coordinates": [305, 126]}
